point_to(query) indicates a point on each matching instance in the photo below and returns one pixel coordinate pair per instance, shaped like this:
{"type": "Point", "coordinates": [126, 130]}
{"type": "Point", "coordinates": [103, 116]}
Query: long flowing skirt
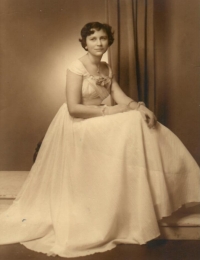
{"type": "Point", "coordinates": [99, 182]}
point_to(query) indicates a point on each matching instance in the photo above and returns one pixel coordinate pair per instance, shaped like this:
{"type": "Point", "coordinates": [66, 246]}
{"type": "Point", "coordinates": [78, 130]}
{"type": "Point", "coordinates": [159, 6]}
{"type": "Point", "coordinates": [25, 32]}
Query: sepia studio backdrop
{"type": "Point", "coordinates": [157, 46]}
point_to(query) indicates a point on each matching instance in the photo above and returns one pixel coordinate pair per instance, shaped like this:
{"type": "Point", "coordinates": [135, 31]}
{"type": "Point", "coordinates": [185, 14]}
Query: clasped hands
{"type": "Point", "coordinates": [146, 114]}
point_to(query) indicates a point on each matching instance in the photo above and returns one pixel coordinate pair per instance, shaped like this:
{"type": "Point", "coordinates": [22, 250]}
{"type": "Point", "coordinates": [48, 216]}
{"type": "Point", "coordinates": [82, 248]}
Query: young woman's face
{"type": "Point", "coordinates": [97, 43]}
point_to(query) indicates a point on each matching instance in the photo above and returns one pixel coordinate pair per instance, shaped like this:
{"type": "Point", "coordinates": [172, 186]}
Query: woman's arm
{"type": "Point", "coordinates": [74, 100]}
{"type": "Point", "coordinates": [121, 98]}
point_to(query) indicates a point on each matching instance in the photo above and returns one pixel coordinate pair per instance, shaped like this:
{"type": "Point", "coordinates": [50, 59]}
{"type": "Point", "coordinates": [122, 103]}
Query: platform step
{"type": "Point", "coordinates": [11, 182]}
{"type": "Point", "coordinates": [180, 233]}
{"type": "Point", "coordinates": [5, 204]}
{"type": "Point", "coordinates": [186, 216]}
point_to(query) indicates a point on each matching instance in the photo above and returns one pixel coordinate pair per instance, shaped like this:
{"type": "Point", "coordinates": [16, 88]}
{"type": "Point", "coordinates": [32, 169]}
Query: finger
{"type": "Point", "coordinates": [155, 122]}
{"type": "Point", "coordinates": [151, 122]}
{"type": "Point", "coordinates": [154, 126]}
{"type": "Point", "coordinates": [143, 116]}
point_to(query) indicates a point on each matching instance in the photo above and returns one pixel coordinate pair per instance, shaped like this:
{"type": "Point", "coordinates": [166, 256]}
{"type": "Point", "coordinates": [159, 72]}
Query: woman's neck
{"type": "Point", "coordinates": [93, 59]}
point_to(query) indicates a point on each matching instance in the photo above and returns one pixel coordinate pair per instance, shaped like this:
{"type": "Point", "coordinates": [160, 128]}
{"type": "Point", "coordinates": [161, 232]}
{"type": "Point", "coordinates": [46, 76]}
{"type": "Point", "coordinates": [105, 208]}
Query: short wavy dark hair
{"type": "Point", "coordinates": [87, 30]}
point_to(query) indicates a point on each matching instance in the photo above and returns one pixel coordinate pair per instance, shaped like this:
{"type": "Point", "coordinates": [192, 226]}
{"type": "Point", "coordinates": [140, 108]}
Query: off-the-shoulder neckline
{"type": "Point", "coordinates": [109, 70]}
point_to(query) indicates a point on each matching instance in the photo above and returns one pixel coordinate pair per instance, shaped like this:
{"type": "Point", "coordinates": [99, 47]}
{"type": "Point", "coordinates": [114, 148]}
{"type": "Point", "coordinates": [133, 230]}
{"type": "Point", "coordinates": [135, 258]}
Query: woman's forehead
{"type": "Point", "coordinates": [97, 32]}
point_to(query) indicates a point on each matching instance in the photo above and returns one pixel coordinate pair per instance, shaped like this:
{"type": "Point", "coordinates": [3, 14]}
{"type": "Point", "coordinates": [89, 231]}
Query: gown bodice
{"type": "Point", "coordinates": [94, 88]}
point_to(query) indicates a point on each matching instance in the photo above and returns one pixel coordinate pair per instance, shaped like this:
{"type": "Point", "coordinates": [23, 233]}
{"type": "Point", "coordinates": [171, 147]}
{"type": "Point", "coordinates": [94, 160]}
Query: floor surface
{"type": "Point", "coordinates": [156, 250]}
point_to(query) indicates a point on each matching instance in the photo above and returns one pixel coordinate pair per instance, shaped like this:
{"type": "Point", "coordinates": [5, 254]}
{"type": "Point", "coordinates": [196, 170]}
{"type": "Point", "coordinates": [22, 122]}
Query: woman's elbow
{"type": "Point", "coordinates": [72, 111]}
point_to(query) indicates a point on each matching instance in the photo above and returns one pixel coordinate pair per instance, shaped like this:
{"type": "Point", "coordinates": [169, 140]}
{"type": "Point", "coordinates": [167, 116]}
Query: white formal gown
{"type": "Point", "coordinates": [100, 182]}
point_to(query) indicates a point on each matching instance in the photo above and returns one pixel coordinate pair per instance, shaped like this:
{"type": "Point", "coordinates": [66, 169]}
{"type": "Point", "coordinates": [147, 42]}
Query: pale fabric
{"type": "Point", "coordinates": [99, 182]}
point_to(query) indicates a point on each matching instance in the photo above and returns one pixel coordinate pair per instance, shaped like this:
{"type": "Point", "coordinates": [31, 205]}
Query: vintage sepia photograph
{"type": "Point", "coordinates": [99, 129]}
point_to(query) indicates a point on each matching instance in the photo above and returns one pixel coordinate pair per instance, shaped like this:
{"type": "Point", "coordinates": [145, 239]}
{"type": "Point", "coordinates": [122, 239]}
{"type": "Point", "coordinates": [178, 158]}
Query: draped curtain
{"type": "Point", "coordinates": [132, 54]}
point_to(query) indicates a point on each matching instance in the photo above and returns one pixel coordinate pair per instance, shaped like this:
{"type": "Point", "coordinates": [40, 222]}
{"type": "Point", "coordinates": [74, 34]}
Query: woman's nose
{"type": "Point", "coordinates": [99, 42]}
